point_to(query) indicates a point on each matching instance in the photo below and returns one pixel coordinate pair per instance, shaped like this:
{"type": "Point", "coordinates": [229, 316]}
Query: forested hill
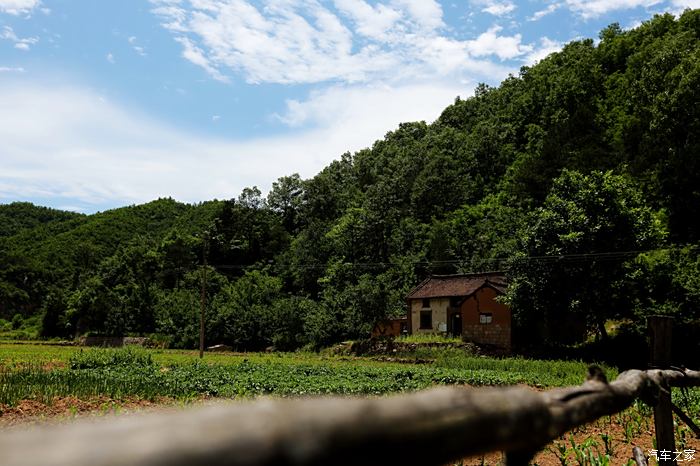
{"type": "Point", "coordinates": [591, 156]}
{"type": "Point", "coordinates": [20, 216]}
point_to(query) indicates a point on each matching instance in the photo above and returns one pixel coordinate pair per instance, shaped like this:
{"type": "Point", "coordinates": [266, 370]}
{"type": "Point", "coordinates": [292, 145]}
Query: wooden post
{"type": "Point", "coordinates": [660, 331]}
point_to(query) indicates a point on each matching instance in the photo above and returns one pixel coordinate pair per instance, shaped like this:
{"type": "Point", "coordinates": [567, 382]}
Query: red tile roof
{"type": "Point", "coordinates": [440, 286]}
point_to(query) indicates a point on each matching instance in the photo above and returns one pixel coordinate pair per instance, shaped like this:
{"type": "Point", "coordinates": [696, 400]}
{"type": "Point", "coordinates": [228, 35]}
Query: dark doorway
{"type": "Point", "coordinates": [456, 324]}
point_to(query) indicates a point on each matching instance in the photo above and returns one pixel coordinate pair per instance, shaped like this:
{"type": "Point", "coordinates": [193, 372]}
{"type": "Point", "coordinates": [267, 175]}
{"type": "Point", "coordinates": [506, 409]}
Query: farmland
{"type": "Point", "coordinates": [105, 380]}
{"type": "Point", "coordinates": [45, 372]}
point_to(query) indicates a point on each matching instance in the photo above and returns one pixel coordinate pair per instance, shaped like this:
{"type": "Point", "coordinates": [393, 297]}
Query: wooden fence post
{"type": "Point", "coordinates": [660, 332]}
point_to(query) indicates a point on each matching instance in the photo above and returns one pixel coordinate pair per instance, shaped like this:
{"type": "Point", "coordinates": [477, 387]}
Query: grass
{"type": "Point", "coordinates": [535, 372]}
{"type": "Point", "coordinates": [20, 329]}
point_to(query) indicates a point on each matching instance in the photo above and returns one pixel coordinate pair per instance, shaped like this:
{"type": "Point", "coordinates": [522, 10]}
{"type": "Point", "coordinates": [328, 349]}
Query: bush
{"type": "Point", "coordinates": [17, 322]}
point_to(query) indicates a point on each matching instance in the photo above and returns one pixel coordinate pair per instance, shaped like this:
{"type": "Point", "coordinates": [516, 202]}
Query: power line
{"type": "Point", "coordinates": [609, 256]}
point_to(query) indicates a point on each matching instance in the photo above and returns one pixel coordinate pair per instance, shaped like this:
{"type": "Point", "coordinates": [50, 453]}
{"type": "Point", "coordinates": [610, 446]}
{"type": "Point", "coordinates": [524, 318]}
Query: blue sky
{"type": "Point", "coordinates": [114, 102]}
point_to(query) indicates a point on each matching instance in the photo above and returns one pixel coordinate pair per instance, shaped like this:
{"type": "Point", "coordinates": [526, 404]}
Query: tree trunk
{"type": "Point", "coordinates": [603, 332]}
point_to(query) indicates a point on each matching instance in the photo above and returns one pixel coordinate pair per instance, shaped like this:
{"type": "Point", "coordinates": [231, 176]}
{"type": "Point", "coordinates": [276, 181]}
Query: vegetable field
{"type": "Point", "coordinates": [44, 372]}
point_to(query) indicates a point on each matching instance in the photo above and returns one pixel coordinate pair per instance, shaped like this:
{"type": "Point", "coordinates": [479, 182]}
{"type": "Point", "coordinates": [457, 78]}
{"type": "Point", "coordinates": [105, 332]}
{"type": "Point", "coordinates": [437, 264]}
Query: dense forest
{"type": "Point", "coordinates": [580, 177]}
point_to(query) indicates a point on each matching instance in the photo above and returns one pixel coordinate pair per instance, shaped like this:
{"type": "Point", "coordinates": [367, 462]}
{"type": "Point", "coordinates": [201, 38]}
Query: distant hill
{"type": "Point", "coordinates": [19, 216]}
{"type": "Point", "coordinates": [52, 245]}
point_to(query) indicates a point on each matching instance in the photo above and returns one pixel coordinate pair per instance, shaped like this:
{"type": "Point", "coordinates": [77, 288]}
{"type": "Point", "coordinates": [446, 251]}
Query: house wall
{"type": "Point", "coordinates": [439, 308]}
{"type": "Point", "coordinates": [498, 332]}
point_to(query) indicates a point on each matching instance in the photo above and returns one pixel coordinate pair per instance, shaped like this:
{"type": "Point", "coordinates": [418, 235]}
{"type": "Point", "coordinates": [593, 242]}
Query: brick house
{"type": "Point", "coordinates": [462, 305]}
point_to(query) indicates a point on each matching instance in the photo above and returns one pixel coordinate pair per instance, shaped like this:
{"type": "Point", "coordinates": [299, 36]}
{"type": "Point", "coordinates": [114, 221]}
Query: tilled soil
{"type": "Point", "coordinates": [620, 448]}
{"type": "Point", "coordinates": [61, 409]}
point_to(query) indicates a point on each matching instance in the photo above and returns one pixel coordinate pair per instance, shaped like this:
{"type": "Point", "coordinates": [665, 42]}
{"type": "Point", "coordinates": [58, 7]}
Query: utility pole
{"type": "Point", "coordinates": [203, 298]}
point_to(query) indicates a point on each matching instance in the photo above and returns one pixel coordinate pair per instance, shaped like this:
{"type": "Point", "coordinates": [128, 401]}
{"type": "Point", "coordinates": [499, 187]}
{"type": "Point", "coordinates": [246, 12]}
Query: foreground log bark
{"type": "Point", "coordinates": [427, 428]}
{"type": "Point", "coordinates": [638, 456]}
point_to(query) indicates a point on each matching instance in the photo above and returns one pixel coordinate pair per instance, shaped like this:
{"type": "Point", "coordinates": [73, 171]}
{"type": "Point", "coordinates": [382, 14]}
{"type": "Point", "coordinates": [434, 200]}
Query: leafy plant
{"type": "Point", "coordinates": [100, 358]}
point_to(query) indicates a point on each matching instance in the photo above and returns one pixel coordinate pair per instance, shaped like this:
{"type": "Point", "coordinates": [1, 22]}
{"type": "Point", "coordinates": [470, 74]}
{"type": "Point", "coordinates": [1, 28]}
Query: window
{"type": "Point", "coordinates": [426, 303]}
{"type": "Point", "coordinates": [426, 319]}
{"type": "Point", "coordinates": [485, 318]}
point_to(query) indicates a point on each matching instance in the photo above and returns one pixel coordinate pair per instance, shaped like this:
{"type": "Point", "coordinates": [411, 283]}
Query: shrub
{"type": "Point", "coordinates": [17, 321]}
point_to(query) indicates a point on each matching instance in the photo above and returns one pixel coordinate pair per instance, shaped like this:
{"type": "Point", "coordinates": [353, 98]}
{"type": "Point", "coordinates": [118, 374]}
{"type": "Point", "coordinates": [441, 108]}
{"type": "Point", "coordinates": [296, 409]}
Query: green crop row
{"type": "Point", "coordinates": [241, 379]}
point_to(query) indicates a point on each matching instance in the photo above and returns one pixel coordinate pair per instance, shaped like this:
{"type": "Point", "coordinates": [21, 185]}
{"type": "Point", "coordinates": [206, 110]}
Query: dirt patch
{"type": "Point", "coordinates": [30, 412]}
{"type": "Point", "coordinates": [619, 445]}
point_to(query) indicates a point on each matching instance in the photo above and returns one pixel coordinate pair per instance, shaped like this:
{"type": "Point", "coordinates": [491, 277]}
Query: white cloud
{"type": "Point", "coordinates": [195, 55]}
{"type": "Point", "coordinates": [25, 43]}
{"type": "Point", "coordinates": [551, 8]}
{"type": "Point", "coordinates": [426, 13]}
{"type": "Point", "coordinates": [497, 8]}
{"type": "Point", "coordinates": [290, 44]}
{"type": "Point", "coordinates": [375, 22]}
{"type": "Point", "coordinates": [679, 6]}
{"type": "Point", "coordinates": [504, 47]}
{"type": "Point", "coordinates": [355, 108]}
{"type": "Point", "coordinates": [589, 9]}
{"type": "Point", "coordinates": [308, 42]}
{"type": "Point", "coordinates": [74, 145]}
{"type": "Point", "coordinates": [71, 208]}
{"type": "Point", "coordinates": [546, 47]}
{"type": "Point", "coordinates": [18, 7]}
{"type": "Point", "coordinates": [12, 69]}
{"type": "Point", "coordinates": [594, 8]}
{"type": "Point", "coordinates": [176, 15]}
{"type": "Point", "coordinates": [110, 58]}
{"type": "Point", "coordinates": [634, 24]}
{"type": "Point", "coordinates": [137, 48]}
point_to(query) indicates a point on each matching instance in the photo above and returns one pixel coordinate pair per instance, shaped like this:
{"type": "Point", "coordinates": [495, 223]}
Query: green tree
{"type": "Point", "coordinates": [574, 254]}
{"type": "Point", "coordinates": [242, 312]}
{"type": "Point", "coordinates": [285, 199]}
